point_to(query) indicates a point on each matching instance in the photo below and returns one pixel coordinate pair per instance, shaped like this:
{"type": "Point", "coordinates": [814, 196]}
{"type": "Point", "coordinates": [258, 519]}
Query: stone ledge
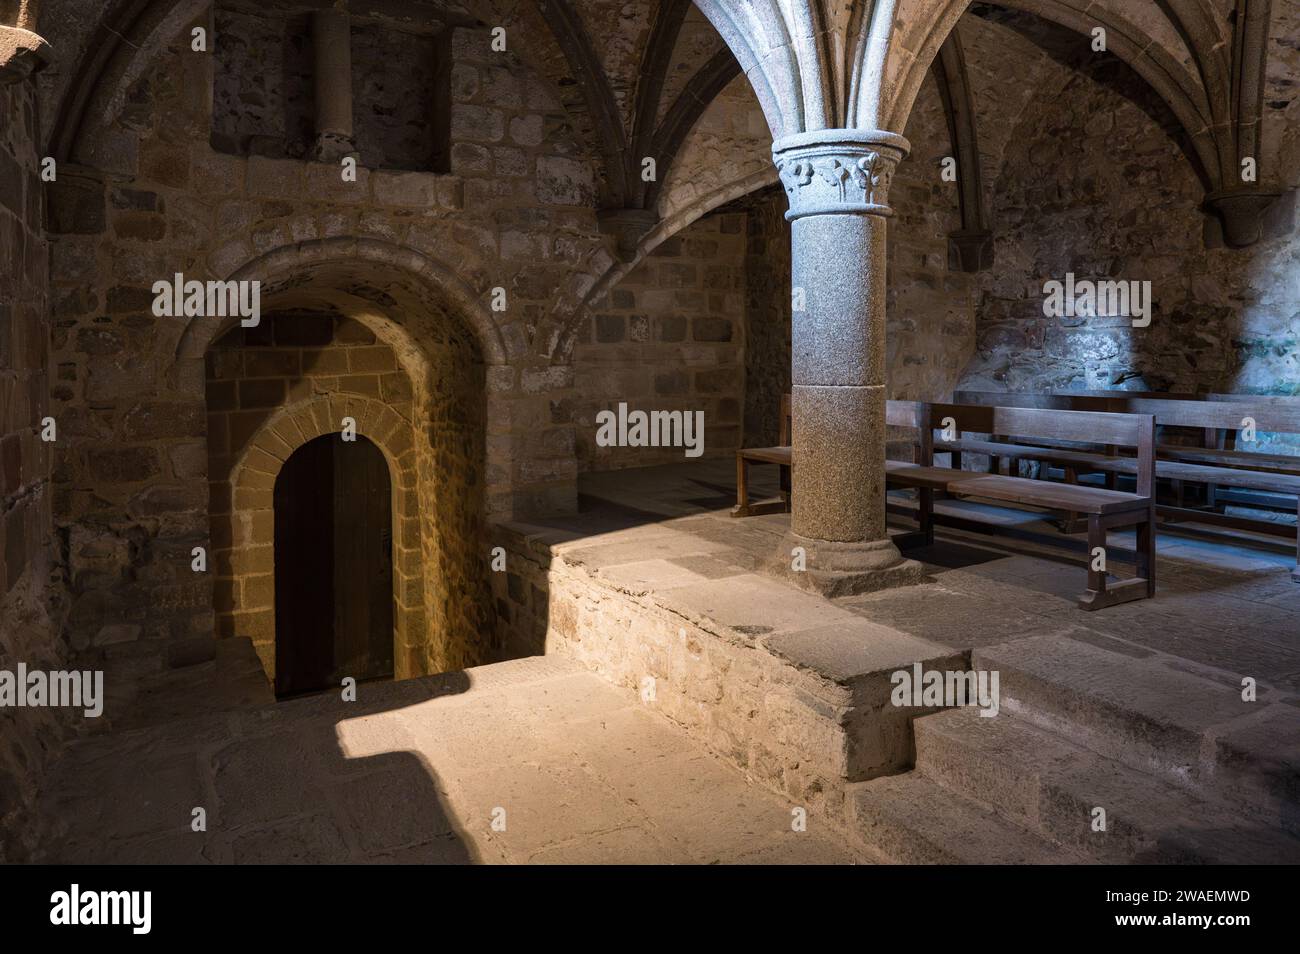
{"type": "Point", "coordinates": [22, 53]}
{"type": "Point", "coordinates": [790, 687]}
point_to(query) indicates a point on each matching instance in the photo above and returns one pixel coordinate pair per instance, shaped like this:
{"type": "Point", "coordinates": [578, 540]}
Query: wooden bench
{"type": "Point", "coordinates": [1105, 509]}
{"type": "Point", "coordinates": [781, 455]}
{"type": "Point", "coordinates": [1214, 467]}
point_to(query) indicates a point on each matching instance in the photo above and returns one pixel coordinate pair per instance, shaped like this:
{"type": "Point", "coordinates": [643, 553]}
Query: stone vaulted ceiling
{"type": "Point", "coordinates": [636, 75]}
{"type": "Point", "coordinates": [633, 75]}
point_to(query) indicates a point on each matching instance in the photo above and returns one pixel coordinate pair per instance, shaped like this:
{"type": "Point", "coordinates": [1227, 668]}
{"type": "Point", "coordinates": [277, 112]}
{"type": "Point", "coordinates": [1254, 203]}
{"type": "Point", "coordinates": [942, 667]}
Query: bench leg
{"type": "Point", "coordinates": [1180, 494]}
{"type": "Point", "coordinates": [1072, 523]}
{"type": "Point", "coordinates": [787, 484]}
{"type": "Point", "coordinates": [742, 488]}
{"type": "Point", "coordinates": [1096, 538]}
{"type": "Point", "coordinates": [924, 534]}
{"type": "Point", "coordinates": [925, 514]}
{"type": "Point", "coordinates": [1101, 592]}
{"type": "Point", "coordinates": [1146, 552]}
{"type": "Point", "coordinates": [1211, 490]}
{"type": "Point", "coordinates": [1295, 572]}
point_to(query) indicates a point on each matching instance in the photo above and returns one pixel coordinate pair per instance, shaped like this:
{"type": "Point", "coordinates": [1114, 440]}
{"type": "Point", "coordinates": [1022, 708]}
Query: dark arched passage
{"type": "Point", "coordinates": [333, 566]}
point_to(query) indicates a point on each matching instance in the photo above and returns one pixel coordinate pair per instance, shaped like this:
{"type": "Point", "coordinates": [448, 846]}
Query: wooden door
{"type": "Point", "coordinates": [333, 566]}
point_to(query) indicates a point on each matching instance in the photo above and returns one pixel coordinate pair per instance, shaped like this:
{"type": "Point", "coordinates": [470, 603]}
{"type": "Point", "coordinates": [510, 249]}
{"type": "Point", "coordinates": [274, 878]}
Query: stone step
{"type": "Point", "coordinates": [1159, 715]}
{"type": "Point", "coordinates": [1036, 779]}
{"type": "Point", "coordinates": [910, 819]}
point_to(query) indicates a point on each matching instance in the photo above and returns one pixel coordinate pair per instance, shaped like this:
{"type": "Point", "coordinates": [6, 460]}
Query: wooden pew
{"type": "Point", "coordinates": [1213, 467]}
{"type": "Point", "coordinates": [1105, 509]}
{"type": "Point", "coordinates": [1119, 393]}
{"type": "Point", "coordinates": [781, 455]}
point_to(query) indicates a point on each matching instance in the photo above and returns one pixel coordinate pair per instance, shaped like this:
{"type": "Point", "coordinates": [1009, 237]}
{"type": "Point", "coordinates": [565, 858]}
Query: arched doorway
{"type": "Point", "coordinates": [333, 566]}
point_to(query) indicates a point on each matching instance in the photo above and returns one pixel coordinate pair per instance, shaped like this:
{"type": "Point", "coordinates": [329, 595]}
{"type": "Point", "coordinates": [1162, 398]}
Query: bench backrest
{"type": "Point", "coordinates": [1254, 398]}
{"type": "Point", "coordinates": [1114, 429]}
{"type": "Point", "coordinates": [1089, 427]}
{"type": "Point", "coordinates": [1270, 417]}
{"type": "Point", "coordinates": [905, 414]}
{"type": "Point", "coordinates": [913, 415]}
{"type": "Point", "coordinates": [1116, 393]}
{"type": "Point", "coordinates": [1273, 413]}
{"type": "Point", "coordinates": [1094, 427]}
{"type": "Point", "coordinates": [1061, 402]}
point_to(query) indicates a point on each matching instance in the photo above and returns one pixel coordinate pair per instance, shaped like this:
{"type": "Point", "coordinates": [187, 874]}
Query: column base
{"type": "Point", "coordinates": [333, 147]}
{"type": "Point", "coordinates": [834, 569]}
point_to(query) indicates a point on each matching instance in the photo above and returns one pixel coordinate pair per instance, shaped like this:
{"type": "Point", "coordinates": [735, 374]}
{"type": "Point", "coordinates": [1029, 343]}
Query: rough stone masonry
{"type": "Point", "coordinates": [476, 225]}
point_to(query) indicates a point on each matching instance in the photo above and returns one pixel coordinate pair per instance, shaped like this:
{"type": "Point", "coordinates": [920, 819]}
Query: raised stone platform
{"type": "Point", "coordinates": [682, 611]}
{"type": "Point", "coordinates": [653, 585]}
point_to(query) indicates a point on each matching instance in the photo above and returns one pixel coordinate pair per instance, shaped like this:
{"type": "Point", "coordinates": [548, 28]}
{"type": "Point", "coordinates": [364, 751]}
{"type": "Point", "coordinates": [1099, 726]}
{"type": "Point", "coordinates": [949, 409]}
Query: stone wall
{"type": "Point", "coordinates": [264, 95]}
{"type": "Point", "coordinates": [1121, 202]}
{"type": "Point", "coordinates": [287, 360]}
{"type": "Point", "coordinates": [401, 83]}
{"type": "Point", "coordinates": [1095, 181]}
{"type": "Point", "coordinates": [29, 607]}
{"type": "Point", "coordinates": [514, 214]}
{"type": "Point", "coordinates": [669, 336]}
{"type": "Point", "coordinates": [263, 98]}
{"type": "Point", "coordinates": [930, 321]}
{"type": "Point", "coordinates": [726, 155]}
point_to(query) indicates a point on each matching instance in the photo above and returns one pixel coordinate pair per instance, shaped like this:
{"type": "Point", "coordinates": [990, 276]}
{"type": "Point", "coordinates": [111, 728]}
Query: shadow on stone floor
{"type": "Point", "coordinates": [314, 780]}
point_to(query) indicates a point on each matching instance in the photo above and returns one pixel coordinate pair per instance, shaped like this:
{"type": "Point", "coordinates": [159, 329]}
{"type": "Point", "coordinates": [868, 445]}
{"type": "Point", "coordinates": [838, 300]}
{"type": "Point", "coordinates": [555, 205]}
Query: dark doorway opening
{"type": "Point", "coordinates": [333, 566]}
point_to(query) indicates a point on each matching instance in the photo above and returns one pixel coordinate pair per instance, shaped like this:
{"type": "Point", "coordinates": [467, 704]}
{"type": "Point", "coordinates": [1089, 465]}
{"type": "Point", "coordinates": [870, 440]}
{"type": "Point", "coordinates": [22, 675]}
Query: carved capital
{"type": "Point", "coordinates": [1242, 213]}
{"type": "Point", "coordinates": [22, 53]}
{"type": "Point", "coordinates": [970, 250]}
{"type": "Point", "coordinates": [628, 226]}
{"type": "Point", "coordinates": [838, 171]}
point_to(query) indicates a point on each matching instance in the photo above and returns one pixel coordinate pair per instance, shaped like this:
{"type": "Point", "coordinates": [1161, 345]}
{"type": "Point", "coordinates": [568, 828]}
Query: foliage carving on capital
{"type": "Point", "coordinates": [855, 181]}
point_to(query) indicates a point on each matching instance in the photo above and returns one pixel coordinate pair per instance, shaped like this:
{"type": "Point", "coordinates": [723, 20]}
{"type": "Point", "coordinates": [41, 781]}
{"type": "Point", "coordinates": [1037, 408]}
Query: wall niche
{"type": "Point", "coordinates": [266, 71]}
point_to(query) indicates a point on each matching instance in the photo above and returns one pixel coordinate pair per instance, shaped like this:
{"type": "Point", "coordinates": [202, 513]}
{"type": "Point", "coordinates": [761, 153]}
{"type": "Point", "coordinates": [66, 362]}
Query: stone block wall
{"type": "Point", "coordinates": [29, 605]}
{"type": "Point", "coordinates": [423, 252]}
{"type": "Point", "coordinates": [24, 345]}
{"type": "Point", "coordinates": [670, 336]}
{"type": "Point", "coordinates": [1122, 202]}
{"type": "Point", "coordinates": [400, 83]}
{"type": "Point", "coordinates": [1091, 179]}
{"type": "Point", "coordinates": [930, 306]}
{"type": "Point", "coordinates": [263, 95]}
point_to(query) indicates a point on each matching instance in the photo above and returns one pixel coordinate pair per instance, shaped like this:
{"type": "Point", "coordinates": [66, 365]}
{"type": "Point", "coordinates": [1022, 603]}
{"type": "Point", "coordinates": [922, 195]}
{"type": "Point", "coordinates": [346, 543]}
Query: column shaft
{"type": "Point", "coordinates": [838, 377]}
{"type": "Point", "coordinates": [332, 48]}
